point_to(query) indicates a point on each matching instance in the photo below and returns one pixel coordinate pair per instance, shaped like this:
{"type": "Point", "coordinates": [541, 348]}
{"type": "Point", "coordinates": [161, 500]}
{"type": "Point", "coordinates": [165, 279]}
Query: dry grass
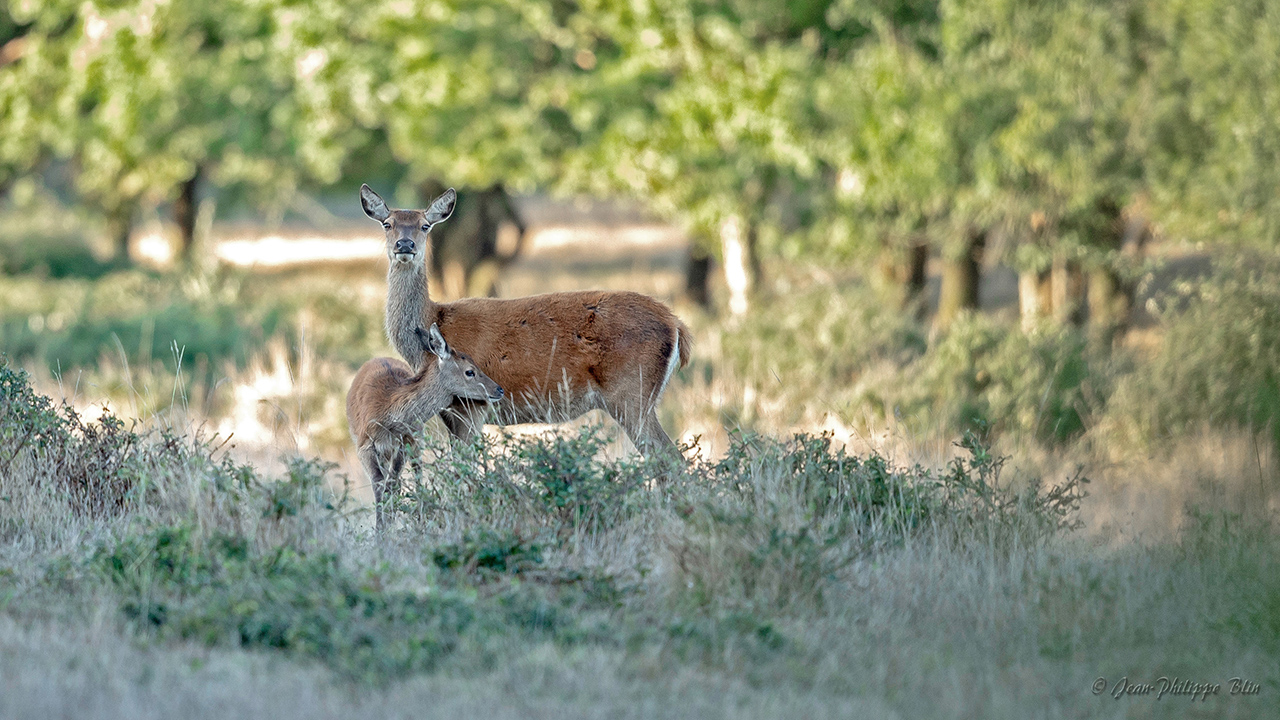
{"type": "Point", "coordinates": [711, 615]}
{"type": "Point", "coordinates": [951, 621]}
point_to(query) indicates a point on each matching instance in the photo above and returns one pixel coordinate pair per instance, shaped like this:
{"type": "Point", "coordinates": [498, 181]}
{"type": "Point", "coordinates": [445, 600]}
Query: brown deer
{"type": "Point", "coordinates": [387, 404]}
{"type": "Point", "coordinates": [558, 355]}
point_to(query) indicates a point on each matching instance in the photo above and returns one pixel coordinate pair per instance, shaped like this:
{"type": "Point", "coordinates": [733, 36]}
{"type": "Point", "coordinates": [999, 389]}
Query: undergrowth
{"type": "Point", "coordinates": [488, 551]}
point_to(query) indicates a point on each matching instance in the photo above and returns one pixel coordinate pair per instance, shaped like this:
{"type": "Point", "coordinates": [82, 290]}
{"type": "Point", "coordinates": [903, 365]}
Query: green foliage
{"type": "Point", "coordinates": [557, 484]}
{"type": "Point", "coordinates": [1044, 385]}
{"type": "Point", "coordinates": [185, 332]}
{"type": "Point", "coordinates": [852, 328]}
{"type": "Point", "coordinates": [827, 484]}
{"type": "Point", "coordinates": [1218, 360]}
{"type": "Point", "coordinates": [832, 127]}
{"type": "Point", "coordinates": [488, 551]}
{"type": "Point", "coordinates": [221, 590]}
{"type": "Point", "coordinates": [139, 96]}
{"type": "Point", "coordinates": [97, 467]}
{"type": "Point", "coordinates": [838, 350]}
{"type": "Point", "coordinates": [1214, 70]}
{"type": "Point", "coordinates": [1004, 514]}
{"type": "Point", "coordinates": [782, 518]}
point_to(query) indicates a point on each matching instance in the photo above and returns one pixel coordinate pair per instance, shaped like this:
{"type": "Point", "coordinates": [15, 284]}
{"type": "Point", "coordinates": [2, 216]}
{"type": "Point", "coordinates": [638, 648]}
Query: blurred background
{"type": "Point", "coordinates": [891, 220]}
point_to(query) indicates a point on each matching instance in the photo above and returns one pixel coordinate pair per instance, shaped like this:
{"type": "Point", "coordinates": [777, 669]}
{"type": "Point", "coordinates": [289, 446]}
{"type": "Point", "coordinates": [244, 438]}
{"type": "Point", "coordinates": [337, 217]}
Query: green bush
{"type": "Point", "coordinates": [983, 374]}
{"type": "Point", "coordinates": [484, 550]}
{"type": "Point", "coordinates": [781, 518]}
{"type": "Point", "coordinates": [221, 590]}
{"type": "Point", "coordinates": [42, 236]}
{"type": "Point", "coordinates": [557, 483]}
{"type": "Point", "coordinates": [1219, 362]}
{"type": "Point", "coordinates": [820, 335]}
{"type": "Point", "coordinates": [96, 466]}
{"type": "Point", "coordinates": [816, 343]}
{"type": "Point", "coordinates": [978, 505]}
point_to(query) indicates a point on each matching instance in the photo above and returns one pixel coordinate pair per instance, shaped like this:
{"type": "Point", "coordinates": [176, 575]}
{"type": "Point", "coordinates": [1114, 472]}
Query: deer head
{"type": "Point", "coordinates": [407, 229]}
{"type": "Point", "coordinates": [456, 372]}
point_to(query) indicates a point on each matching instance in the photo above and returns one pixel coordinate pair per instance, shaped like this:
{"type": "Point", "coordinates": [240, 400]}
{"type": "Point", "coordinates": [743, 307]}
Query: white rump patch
{"type": "Point", "coordinates": [673, 363]}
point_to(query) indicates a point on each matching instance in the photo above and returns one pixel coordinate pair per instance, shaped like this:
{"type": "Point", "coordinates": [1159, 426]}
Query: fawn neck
{"type": "Point", "coordinates": [408, 307]}
{"type": "Point", "coordinates": [421, 397]}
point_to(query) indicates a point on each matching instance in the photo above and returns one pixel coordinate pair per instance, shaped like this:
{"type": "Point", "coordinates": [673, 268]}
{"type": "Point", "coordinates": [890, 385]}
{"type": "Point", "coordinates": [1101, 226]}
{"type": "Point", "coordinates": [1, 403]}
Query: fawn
{"type": "Point", "coordinates": [388, 404]}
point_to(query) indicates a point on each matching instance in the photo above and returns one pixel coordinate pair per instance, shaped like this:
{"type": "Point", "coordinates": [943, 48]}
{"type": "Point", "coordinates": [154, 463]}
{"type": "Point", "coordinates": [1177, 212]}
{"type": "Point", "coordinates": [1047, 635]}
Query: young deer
{"type": "Point", "coordinates": [558, 355]}
{"type": "Point", "coordinates": [387, 404]}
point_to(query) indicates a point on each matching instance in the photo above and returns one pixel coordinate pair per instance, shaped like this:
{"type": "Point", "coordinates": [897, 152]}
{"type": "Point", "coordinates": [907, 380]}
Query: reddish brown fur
{"type": "Point", "coordinates": [557, 355]}
{"type": "Point", "coordinates": [388, 404]}
{"type": "Point", "coordinates": [589, 339]}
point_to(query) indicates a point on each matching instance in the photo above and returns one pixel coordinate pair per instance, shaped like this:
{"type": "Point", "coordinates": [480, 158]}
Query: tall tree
{"type": "Point", "coordinates": [145, 98]}
{"type": "Point", "coordinates": [1073, 155]}
{"type": "Point", "coordinates": [1213, 143]}
{"type": "Point", "coordinates": [709, 125]}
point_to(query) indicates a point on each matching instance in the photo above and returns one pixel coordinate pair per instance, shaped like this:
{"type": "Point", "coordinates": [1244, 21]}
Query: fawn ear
{"type": "Point", "coordinates": [436, 344]}
{"type": "Point", "coordinates": [442, 207]}
{"type": "Point", "coordinates": [372, 204]}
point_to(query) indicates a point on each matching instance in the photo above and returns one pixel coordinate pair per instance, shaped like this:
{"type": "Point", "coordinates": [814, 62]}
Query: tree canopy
{"type": "Point", "coordinates": [834, 128]}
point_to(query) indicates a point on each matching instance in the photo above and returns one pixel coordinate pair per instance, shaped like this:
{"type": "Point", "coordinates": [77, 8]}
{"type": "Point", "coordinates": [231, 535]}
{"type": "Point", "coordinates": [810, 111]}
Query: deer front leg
{"type": "Point", "coordinates": [464, 419]}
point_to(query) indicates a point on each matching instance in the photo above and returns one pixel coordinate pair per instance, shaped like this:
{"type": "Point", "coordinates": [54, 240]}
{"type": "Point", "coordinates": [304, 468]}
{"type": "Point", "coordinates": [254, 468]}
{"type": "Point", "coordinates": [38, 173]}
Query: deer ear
{"type": "Point", "coordinates": [372, 204]}
{"type": "Point", "coordinates": [442, 207]}
{"type": "Point", "coordinates": [436, 344]}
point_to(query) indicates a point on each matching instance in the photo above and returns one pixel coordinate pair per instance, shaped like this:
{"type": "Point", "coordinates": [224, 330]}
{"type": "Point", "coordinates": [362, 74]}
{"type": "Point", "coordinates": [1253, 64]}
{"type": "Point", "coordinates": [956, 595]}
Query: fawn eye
{"type": "Point", "coordinates": [471, 373]}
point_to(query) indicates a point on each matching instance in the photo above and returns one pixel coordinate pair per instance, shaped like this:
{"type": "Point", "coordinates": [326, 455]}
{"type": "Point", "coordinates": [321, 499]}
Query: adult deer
{"type": "Point", "coordinates": [558, 355]}
{"type": "Point", "coordinates": [387, 404]}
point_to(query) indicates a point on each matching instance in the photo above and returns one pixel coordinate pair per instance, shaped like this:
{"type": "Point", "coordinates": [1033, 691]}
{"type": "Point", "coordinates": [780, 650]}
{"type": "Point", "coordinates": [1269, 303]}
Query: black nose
{"type": "Point", "coordinates": [497, 394]}
{"type": "Point", "coordinates": [404, 247]}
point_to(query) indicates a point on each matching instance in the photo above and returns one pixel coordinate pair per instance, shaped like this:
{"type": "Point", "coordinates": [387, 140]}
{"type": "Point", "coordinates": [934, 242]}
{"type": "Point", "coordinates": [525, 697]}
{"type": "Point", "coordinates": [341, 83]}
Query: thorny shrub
{"type": "Point", "coordinates": [779, 519]}
{"type": "Point", "coordinates": [97, 467]}
{"type": "Point", "coordinates": [557, 484]}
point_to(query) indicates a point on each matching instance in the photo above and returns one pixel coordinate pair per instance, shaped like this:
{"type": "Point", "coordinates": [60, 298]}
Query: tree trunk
{"type": "Point", "coordinates": [903, 273]}
{"type": "Point", "coordinates": [960, 278]}
{"type": "Point", "coordinates": [697, 277]}
{"type": "Point", "coordinates": [119, 227]}
{"type": "Point", "coordinates": [916, 277]}
{"type": "Point", "coordinates": [1111, 295]}
{"type": "Point", "coordinates": [1109, 305]}
{"type": "Point", "coordinates": [471, 248]}
{"type": "Point", "coordinates": [184, 214]}
{"type": "Point", "coordinates": [1034, 300]}
{"type": "Point", "coordinates": [1066, 287]}
{"type": "Point", "coordinates": [741, 265]}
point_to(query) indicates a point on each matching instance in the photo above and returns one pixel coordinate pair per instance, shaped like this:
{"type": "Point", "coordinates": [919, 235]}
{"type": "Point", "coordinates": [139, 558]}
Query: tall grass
{"type": "Point", "coordinates": [787, 574]}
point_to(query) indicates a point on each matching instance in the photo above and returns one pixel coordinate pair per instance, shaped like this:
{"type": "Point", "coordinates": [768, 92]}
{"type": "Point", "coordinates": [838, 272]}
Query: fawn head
{"type": "Point", "coordinates": [456, 371]}
{"type": "Point", "coordinates": [407, 229]}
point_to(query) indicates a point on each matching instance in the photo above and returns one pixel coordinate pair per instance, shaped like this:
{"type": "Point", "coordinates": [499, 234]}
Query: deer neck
{"type": "Point", "coordinates": [408, 308]}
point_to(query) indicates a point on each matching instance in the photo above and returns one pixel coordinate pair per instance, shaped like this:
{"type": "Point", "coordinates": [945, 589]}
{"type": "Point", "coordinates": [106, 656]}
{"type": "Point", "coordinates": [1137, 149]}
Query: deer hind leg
{"type": "Point", "coordinates": [640, 422]}
{"type": "Point", "coordinates": [377, 478]}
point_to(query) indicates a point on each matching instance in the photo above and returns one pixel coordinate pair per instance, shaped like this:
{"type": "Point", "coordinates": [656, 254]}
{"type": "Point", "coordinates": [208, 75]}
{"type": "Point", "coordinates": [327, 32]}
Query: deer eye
{"type": "Point", "coordinates": [471, 373]}
{"type": "Point", "coordinates": [425, 228]}
{"type": "Point", "coordinates": [387, 224]}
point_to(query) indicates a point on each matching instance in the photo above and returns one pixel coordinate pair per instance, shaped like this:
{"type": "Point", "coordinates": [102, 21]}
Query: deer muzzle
{"type": "Point", "coordinates": [404, 247]}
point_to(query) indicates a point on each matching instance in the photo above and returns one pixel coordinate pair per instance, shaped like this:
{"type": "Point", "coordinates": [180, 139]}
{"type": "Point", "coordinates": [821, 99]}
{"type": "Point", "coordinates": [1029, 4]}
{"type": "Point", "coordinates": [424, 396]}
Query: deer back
{"type": "Point", "coordinates": [583, 340]}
